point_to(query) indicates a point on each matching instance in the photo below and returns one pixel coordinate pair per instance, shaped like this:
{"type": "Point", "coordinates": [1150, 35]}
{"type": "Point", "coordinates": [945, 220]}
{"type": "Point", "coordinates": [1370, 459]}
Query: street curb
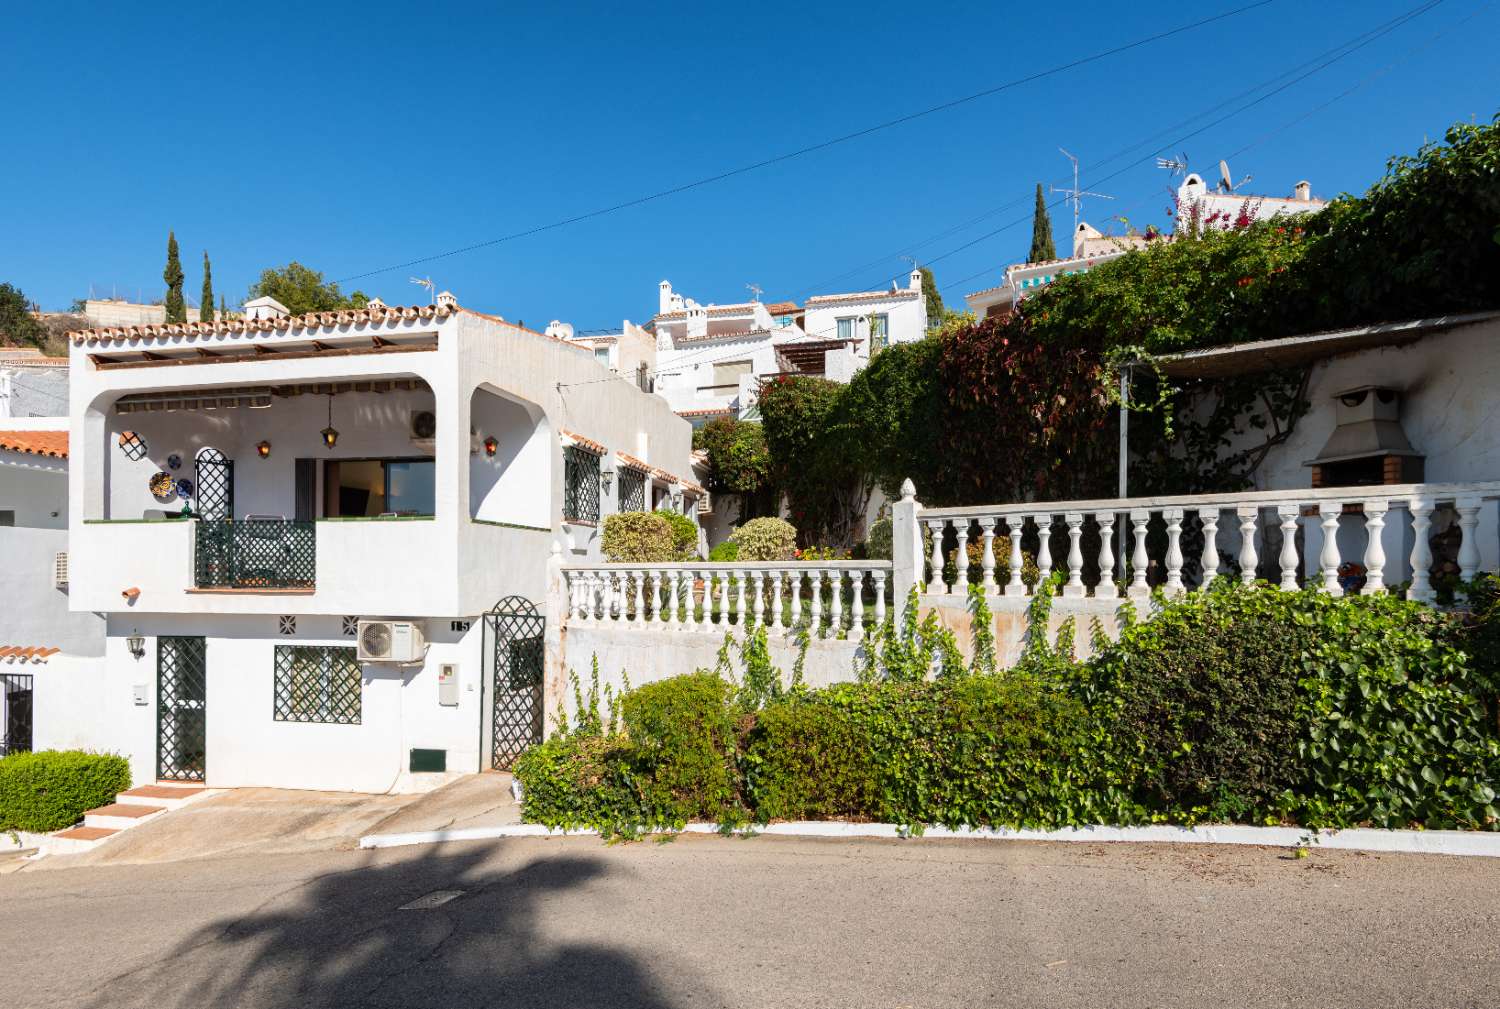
{"type": "Point", "coordinates": [1422, 842]}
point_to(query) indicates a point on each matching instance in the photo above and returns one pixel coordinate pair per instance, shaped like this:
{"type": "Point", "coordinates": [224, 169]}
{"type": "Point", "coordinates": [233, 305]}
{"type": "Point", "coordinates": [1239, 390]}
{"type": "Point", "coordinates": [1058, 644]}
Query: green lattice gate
{"type": "Point", "coordinates": [181, 709]}
{"type": "Point", "coordinates": [515, 656]}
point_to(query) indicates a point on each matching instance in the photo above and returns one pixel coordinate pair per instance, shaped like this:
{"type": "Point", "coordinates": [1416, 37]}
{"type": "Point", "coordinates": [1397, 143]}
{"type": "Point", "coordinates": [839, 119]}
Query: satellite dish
{"type": "Point", "coordinates": [1226, 183]}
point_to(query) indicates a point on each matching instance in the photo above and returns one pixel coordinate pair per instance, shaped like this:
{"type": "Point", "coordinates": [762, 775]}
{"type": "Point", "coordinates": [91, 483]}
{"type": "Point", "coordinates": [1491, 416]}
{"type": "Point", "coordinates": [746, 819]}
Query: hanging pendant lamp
{"type": "Point", "coordinates": [330, 433]}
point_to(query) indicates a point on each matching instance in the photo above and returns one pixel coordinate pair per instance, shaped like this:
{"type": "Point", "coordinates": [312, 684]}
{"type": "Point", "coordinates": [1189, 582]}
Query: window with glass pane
{"type": "Point", "coordinates": [729, 372]}
{"type": "Point", "coordinates": [632, 490]}
{"type": "Point", "coordinates": [601, 354]}
{"type": "Point", "coordinates": [846, 329]}
{"type": "Point", "coordinates": [879, 331]}
{"type": "Point", "coordinates": [580, 485]}
{"type": "Point", "coordinates": [316, 683]}
{"type": "Point", "coordinates": [409, 487]}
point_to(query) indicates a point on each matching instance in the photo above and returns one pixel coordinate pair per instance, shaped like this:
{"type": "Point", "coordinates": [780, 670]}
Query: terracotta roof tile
{"type": "Point", "coordinates": [53, 444]}
{"type": "Point", "coordinates": [633, 463]}
{"type": "Point", "coordinates": [585, 443]}
{"type": "Point", "coordinates": [291, 323]}
{"type": "Point", "coordinates": [782, 307]}
{"type": "Point", "coordinates": [710, 412]}
{"type": "Point", "coordinates": [26, 653]}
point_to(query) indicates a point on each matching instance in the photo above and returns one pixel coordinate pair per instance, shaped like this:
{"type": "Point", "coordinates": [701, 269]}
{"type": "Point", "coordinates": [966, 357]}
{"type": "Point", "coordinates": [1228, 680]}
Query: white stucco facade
{"type": "Point", "coordinates": [462, 421]}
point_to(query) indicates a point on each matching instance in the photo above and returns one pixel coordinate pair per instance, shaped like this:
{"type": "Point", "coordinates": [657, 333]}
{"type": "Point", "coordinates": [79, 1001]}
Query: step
{"type": "Point", "coordinates": [165, 796]}
{"type": "Point", "coordinates": [119, 815]}
{"type": "Point", "coordinates": [85, 833]}
{"type": "Point", "coordinates": [195, 786]}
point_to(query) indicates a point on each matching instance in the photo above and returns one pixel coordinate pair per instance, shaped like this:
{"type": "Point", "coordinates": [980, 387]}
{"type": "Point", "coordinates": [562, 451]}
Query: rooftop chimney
{"type": "Point", "coordinates": [447, 300]}
{"type": "Point", "coordinates": [560, 330]}
{"type": "Point", "coordinates": [1304, 190]}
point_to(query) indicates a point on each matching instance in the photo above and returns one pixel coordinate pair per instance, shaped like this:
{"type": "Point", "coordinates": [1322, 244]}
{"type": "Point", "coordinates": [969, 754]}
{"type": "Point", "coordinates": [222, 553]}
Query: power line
{"type": "Point", "coordinates": [822, 145]}
{"type": "Point", "coordinates": [1348, 49]}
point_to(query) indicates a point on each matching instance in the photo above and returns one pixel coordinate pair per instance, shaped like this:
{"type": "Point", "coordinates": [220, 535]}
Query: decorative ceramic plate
{"type": "Point", "coordinates": [184, 489]}
{"type": "Point", "coordinates": [161, 486]}
{"type": "Point", "coordinates": [174, 461]}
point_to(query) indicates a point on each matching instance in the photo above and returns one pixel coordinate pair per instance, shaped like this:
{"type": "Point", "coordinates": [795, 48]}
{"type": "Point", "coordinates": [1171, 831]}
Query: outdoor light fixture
{"type": "Point", "coordinates": [136, 644]}
{"type": "Point", "coordinates": [491, 445]}
{"type": "Point", "coordinates": [330, 433]}
{"type": "Point", "coordinates": [263, 450]}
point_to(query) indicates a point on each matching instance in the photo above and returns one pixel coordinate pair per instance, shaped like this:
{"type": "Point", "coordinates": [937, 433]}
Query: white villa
{"type": "Point", "coordinates": [320, 543]}
{"type": "Point", "coordinates": [710, 359]}
{"type": "Point", "coordinates": [1197, 207]}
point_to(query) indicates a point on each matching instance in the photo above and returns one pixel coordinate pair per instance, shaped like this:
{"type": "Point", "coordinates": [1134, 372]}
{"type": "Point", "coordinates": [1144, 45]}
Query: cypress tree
{"type": "Point", "coordinates": [176, 308]}
{"type": "Point", "coordinates": [934, 299]}
{"type": "Point", "coordinates": [223, 309]}
{"type": "Point", "coordinates": [206, 303]}
{"type": "Point", "coordinates": [1041, 231]}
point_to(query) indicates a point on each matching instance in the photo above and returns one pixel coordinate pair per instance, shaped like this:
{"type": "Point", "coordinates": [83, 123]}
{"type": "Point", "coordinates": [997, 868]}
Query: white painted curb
{"type": "Point", "coordinates": [1424, 842]}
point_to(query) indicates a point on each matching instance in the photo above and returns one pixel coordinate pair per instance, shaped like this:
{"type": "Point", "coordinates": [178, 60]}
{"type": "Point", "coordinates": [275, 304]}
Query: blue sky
{"type": "Point", "coordinates": [356, 136]}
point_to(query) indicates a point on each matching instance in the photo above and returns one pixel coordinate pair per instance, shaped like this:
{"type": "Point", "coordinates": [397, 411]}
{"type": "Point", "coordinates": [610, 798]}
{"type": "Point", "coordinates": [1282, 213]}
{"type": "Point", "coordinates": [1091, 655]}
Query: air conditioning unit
{"type": "Point", "coordinates": [60, 570]}
{"type": "Point", "coordinates": [423, 425]}
{"type": "Point", "coordinates": [399, 641]}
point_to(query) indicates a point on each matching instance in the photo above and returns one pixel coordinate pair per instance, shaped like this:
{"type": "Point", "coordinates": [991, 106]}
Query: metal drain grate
{"type": "Point", "coordinates": [436, 898]}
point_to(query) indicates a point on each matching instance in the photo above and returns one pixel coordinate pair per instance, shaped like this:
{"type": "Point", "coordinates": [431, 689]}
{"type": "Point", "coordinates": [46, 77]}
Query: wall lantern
{"type": "Point", "coordinates": [491, 445]}
{"type": "Point", "coordinates": [330, 433]}
{"type": "Point", "coordinates": [136, 644]}
{"type": "Point", "coordinates": [263, 450]}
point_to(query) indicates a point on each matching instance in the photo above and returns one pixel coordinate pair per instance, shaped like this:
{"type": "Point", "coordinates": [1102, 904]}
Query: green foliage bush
{"type": "Point", "coordinates": [684, 534]}
{"type": "Point", "coordinates": [638, 538]}
{"type": "Point", "coordinates": [879, 540]}
{"type": "Point", "coordinates": [1242, 704]}
{"type": "Point", "coordinates": [682, 758]}
{"type": "Point", "coordinates": [52, 789]}
{"type": "Point", "coordinates": [765, 539]}
{"type": "Point", "coordinates": [725, 553]}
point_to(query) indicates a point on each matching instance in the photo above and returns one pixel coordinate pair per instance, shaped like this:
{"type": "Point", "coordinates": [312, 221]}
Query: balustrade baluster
{"type": "Point", "coordinates": [1106, 589]}
{"type": "Point", "coordinates": [1421, 551]}
{"type": "Point", "coordinates": [1328, 557]}
{"type": "Point", "coordinates": [776, 627]}
{"type": "Point", "coordinates": [1374, 549]}
{"type": "Point", "coordinates": [1043, 550]}
{"type": "Point", "coordinates": [987, 556]}
{"type": "Point", "coordinates": [879, 577]}
{"type": "Point", "coordinates": [695, 616]}
{"type": "Point", "coordinates": [758, 586]}
{"type": "Point", "coordinates": [815, 625]}
{"type": "Point", "coordinates": [1468, 547]}
{"type": "Point", "coordinates": [640, 600]}
{"type": "Point", "coordinates": [1074, 588]}
{"type": "Point", "coordinates": [961, 556]}
{"type": "Point", "coordinates": [1289, 559]}
{"type": "Point", "coordinates": [796, 616]}
{"type": "Point", "coordinates": [1209, 559]}
{"type": "Point", "coordinates": [1248, 557]}
{"type": "Point", "coordinates": [1173, 518]}
{"type": "Point", "coordinates": [1015, 586]}
{"type": "Point", "coordinates": [935, 583]}
{"type": "Point", "coordinates": [742, 615]}
{"type": "Point", "coordinates": [586, 610]}
{"type": "Point", "coordinates": [856, 603]}
{"type": "Point", "coordinates": [658, 589]}
{"type": "Point", "coordinates": [836, 614]}
{"type": "Point", "coordinates": [1139, 559]}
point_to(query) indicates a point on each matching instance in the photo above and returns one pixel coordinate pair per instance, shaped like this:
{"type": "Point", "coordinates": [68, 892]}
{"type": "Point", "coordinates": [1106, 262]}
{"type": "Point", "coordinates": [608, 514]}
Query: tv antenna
{"type": "Point", "coordinates": [755, 291]}
{"type": "Point", "coordinates": [431, 288]}
{"type": "Point", "coordinates": [1177, 165]}
{"type": "Point", "coordinates": [1076, 195]}
{"type": "Point", "coordinates": [1226, 181]}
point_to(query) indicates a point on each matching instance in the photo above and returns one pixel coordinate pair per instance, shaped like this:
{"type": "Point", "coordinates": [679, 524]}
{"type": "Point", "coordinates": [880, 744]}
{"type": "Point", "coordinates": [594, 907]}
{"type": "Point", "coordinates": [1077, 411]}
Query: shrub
{"type": "Point", "coordinates": [808, 760]}
{"type": "Point", "coordinates": [684, 534]}
{"type": "Point", "coordinates": [52, 789]}
{"type": "Point", "coordinates": [638, 538]}
{"type": "Point", "coordinates": [766, 539]}
{"type": "Point", "coordinates": [725, 553]}
{"type": "Point", "coordinates": [576, 781]}
{"type": "Point", "coordinates": [878, 541]}
{"type": "Point", "coordinates": [682, 737]}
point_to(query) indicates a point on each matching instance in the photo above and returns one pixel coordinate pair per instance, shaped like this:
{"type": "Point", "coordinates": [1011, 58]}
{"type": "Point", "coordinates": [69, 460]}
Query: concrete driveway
{"type": "Point", "coordinates": [268, 821]}
{"type": "Point", "coordinates": [759, 922]}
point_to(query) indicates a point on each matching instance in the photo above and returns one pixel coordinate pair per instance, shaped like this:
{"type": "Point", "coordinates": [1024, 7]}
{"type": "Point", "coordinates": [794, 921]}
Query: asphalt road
{"type": "Point", "coordinates": [705, 921]}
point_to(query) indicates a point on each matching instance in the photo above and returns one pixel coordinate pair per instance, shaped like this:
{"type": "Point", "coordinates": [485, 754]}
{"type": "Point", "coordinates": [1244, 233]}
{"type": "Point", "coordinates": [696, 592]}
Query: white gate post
{"type": "Point", "coordinates": [908, 560]}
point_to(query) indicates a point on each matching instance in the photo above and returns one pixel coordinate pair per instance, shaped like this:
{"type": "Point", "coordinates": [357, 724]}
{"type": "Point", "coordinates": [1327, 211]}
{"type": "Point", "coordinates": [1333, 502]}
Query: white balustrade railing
{"type": "Point", "coordinates": [829, 597]}
{"type": "Point", "coordinates": [1288, 538]}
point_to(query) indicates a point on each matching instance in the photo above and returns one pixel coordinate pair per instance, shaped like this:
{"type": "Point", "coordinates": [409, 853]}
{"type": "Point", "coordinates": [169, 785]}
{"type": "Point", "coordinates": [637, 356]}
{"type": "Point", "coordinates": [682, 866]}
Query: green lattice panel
{"type": "Point", "coordinates": [516, 632]}
{"type": "Point", "coordinates": [181, 709]}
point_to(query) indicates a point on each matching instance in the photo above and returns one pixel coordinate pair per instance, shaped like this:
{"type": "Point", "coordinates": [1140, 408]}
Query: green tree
{"type": "Point", "coordinates": [302, 289]}
{"type": "Point", "coordinates": [934, 299]}
{"type": "Point", "coordinates": [1042, 248]}
{"type": "Point", "coordinates": [206, 303]}
{"type": "Point", "coordinates": [738, 463]}
{"type": "Point", "coordinates": [17, 325]}
{"type": "Point", "coordinates": [223, 309]}
{"type": "Point", "coordinates": [176, 307]}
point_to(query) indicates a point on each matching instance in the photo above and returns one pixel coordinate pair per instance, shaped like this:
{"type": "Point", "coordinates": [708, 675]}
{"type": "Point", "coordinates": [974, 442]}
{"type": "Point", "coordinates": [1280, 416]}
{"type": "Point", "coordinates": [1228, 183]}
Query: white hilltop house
{"type": "Point", "coordinates": [710, 359]}
{"type": "Point", "coordinates": [321, 543]}
{"type": "Point", "coordinates": [1198, 207]}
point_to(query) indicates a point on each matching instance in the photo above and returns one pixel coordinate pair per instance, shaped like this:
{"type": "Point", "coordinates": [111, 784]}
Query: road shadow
{"type": "Point", "coordinates": [343, 940]}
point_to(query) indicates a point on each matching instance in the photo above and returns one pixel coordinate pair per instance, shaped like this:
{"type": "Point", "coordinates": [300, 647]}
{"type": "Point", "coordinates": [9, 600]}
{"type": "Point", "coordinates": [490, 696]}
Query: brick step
{"type": "Point", "coordinates": [195, 786]}
{"type": "Point", "coordinates": [119, 815]}
{"type": "Point", "coordinates": [165, 796]}
{"type": "Point", "coordinates": [86, 833]}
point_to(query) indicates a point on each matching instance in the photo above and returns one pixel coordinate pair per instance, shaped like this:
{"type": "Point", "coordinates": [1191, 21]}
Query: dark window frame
{"type": "Point", "coordinates": [580, 485]}
{"type": "Point", "coordinates": [337, 685]}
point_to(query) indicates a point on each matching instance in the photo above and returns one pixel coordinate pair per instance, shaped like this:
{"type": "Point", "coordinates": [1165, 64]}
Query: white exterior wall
{"type": "Point", "coordinates": [907, 312]}
{"type": "Point", "coordinates": [685, 375]}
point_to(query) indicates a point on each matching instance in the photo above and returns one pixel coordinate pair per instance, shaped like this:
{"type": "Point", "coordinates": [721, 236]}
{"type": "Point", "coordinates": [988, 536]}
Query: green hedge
{"type": "Point", "coordinates": [52, 789]}
{"type": "Point", "coordinates": [1237, 704]}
